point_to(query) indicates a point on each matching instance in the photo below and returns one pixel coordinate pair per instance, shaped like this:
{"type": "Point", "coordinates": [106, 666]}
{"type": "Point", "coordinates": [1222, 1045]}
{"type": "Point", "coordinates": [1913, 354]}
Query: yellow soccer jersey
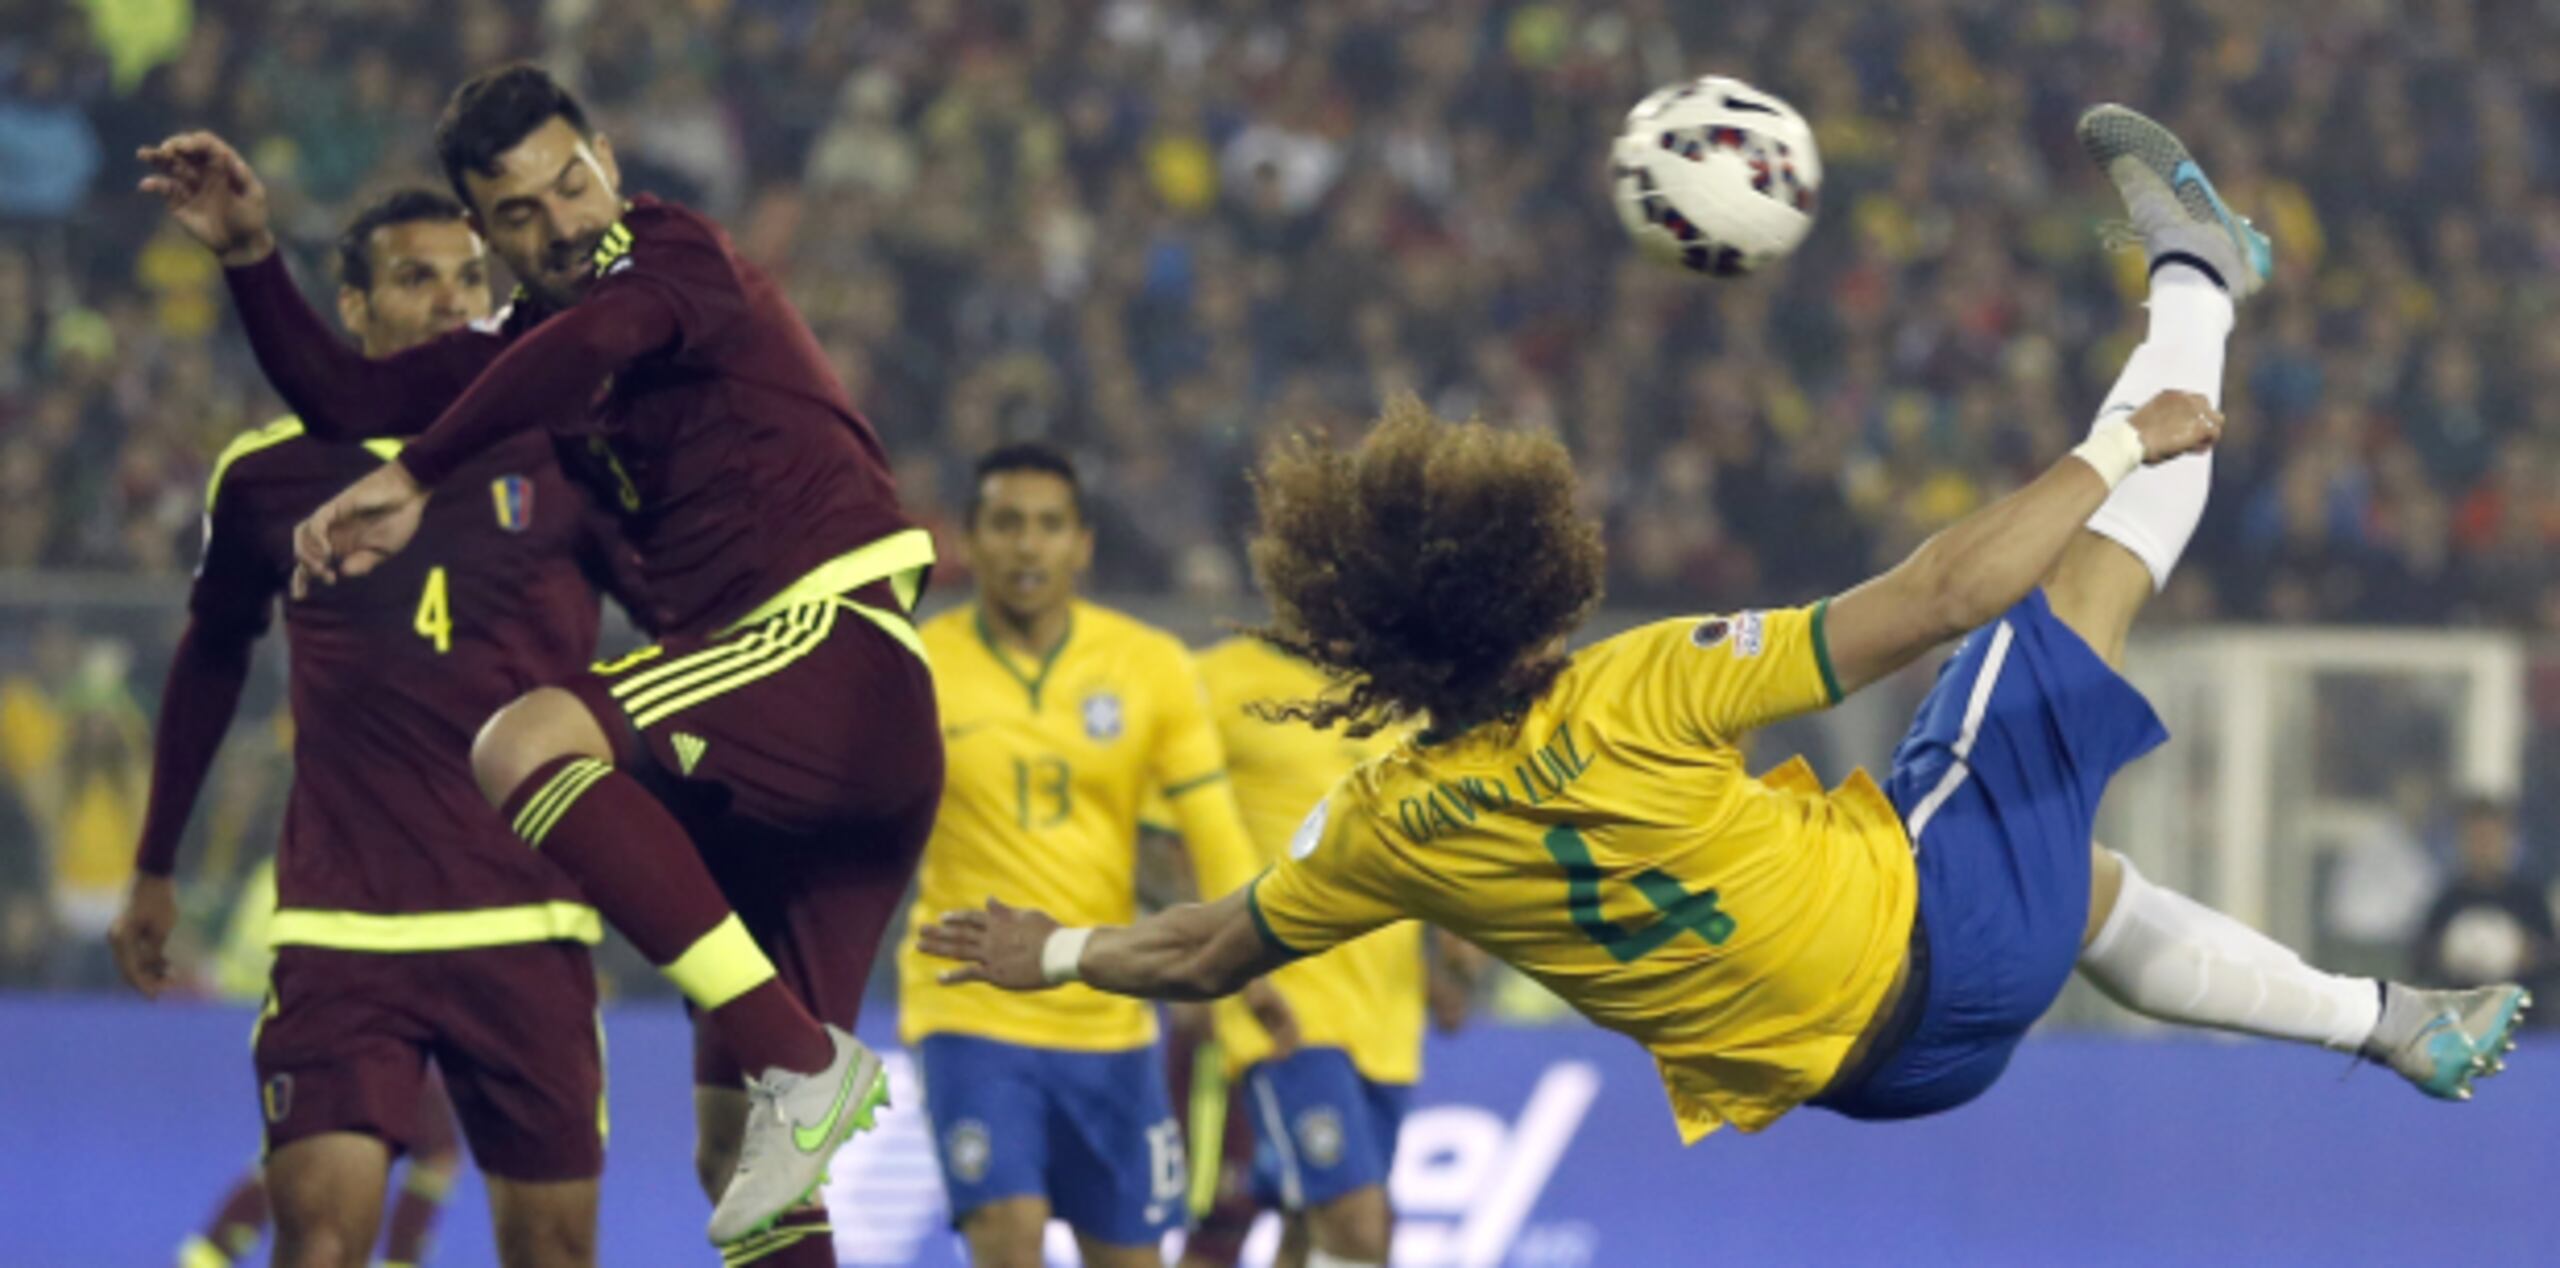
{"type": "Point", "coordinates": [1611, 845]}
{"type": "Point", "coordinates": [1365, 998]}
{"type": "Point", "coordinates": [1046, 767]}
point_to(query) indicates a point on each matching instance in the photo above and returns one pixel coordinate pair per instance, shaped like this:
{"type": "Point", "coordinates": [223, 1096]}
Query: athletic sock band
{"type": "Point", "coordinates": [2167, 258]}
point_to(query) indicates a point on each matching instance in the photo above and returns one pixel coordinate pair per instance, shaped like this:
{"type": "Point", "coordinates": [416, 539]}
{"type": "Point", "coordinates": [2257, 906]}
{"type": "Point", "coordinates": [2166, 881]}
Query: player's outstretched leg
{"type": "Point", "coordinates": [544, 760]}
{"type": "Point", "coordinates": [2203, 260]}
{"type": "Point", "coordinates": [2166, 956]}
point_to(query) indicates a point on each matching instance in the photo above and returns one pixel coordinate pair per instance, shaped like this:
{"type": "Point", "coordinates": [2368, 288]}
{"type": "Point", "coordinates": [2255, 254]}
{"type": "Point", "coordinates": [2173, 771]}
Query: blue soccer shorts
{"type": "Point", "coordinates": [1093, 1132]}
{"type": "Point", "coordinates": [1998, 782]}
{"type": "Point", "coordinates": [1320, 1129]}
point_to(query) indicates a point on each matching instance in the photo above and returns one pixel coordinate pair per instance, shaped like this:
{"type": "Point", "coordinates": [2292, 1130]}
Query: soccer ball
{"type": "Point", "coordinates": [1715, 176]}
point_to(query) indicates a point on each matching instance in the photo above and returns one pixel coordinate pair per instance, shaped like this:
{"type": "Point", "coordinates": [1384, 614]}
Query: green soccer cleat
{"type": "Point", "coordinates": [2442, 1040]}
{"type": "Point", "coordinates": [2174, 208]}
{"type": "Point", "coordinates": [795, 1124]}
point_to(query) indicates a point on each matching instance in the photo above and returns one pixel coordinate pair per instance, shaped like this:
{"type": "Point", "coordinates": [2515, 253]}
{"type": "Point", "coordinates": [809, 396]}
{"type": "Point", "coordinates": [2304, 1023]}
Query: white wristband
{"type": "Point", "coordinates": [1062, 955]}
{"type": "Point", "coordinates": [2113, 449]}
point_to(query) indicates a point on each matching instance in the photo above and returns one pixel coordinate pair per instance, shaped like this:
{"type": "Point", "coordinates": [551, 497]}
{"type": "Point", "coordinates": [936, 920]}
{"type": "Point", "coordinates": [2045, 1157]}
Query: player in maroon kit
{"type": "Point", "coordinates": [785, 718]}
{"type": "Point", "coordinates": [410, 925]}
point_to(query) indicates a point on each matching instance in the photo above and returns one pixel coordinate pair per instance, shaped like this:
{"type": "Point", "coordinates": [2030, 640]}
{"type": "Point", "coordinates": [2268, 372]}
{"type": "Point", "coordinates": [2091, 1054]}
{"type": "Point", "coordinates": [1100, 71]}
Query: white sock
{"type": "Point", "coordinates": [2155, 510]}
{"type": "Point", "coordinates": [2165, 955]}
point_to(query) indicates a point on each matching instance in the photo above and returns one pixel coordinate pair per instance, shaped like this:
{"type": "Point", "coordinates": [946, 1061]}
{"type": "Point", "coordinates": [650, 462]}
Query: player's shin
{"type": "Point", "coordinates": [2166, 956]}
{"type": "Point", "coordinates": [640, 869]}
{"type": "Point", "coordinates": [2155, 510]}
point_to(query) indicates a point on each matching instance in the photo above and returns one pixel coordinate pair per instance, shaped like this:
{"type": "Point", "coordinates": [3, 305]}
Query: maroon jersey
{"type": "Point", "coordinates": [686, 391]}
{"type": "Point", "coordinates": [733, 451]}
{"type": "Point", "coordinates": [393, 673]}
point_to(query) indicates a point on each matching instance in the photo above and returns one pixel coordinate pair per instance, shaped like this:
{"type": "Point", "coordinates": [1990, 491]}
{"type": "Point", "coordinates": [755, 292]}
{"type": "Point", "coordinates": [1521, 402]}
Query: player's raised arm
{"type": "Point", "coordinates": [1967, 575]}
{"type": "Point", "coordinates": [338, 391]}
{"type": "Point", "coordinates": [1193, 951]}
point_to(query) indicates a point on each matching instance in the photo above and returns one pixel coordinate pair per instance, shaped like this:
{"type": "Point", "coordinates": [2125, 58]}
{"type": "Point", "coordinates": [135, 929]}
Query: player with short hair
{"type": "Point", "coordinates": [1059, 717]}
{"type": "Point", "coordinates": [1878, 951]}
{"type": "Point", "coordinates": [784, 719]}
{"type": "Point", "coordinates": [411, 928]}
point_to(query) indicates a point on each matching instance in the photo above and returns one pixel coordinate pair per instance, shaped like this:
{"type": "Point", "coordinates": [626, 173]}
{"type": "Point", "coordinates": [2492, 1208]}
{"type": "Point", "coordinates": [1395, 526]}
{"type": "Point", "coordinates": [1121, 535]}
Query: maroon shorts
{"type": "Point", "coordinates": [804, 756]}
{"type": "Point", "coordinates": [347, 1036]}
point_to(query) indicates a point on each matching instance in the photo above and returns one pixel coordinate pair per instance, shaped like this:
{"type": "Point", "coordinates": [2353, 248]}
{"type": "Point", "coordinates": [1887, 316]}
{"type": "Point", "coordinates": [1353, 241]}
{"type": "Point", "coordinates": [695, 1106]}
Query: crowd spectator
{"type": "Point", "coordinates": [1161, 231]}
{"type": "Point", "coordinates": [2490, 922]}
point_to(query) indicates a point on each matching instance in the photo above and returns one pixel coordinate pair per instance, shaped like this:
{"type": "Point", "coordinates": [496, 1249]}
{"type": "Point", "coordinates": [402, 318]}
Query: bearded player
{"type": "Point", "coordinates": [410, 926]}
{"type": "Point", "coordinates": [1877, 951]}
{"type": "Point", "coordinates": [776, 749]}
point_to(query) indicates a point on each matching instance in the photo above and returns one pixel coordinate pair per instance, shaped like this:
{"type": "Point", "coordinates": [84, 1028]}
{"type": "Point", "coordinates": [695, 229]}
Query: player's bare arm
{"type": "Point", "coordinates": [1193, 951]}
{"type": "Point", "coordinates": [1969, 574]}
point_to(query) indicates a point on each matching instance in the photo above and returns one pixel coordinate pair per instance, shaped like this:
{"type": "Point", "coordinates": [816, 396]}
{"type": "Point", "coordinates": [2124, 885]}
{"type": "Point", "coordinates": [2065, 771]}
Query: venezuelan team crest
{"type": "Point", "coordinates": [513, 495]}
{"type": "Point", "coordinates": [277, 1098]}
{"type": "Point", "coordinates": [1102, 716]}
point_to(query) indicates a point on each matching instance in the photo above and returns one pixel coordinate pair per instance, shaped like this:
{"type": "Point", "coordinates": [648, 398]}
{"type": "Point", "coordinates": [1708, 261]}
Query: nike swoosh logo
{"type": "Point", "coordinates": [809, 1140]}
{"type": "Point", "coordinates": [956, 732]}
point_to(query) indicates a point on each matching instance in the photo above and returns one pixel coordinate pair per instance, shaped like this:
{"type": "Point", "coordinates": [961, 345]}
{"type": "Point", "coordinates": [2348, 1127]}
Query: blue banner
{"type": "Point", "coordinates": [1527, 1149]}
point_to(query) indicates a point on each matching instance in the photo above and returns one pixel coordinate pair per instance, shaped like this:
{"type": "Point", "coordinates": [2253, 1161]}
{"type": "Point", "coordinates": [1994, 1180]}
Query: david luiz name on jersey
{"type": "Point", "coordinates": [1451, 804]}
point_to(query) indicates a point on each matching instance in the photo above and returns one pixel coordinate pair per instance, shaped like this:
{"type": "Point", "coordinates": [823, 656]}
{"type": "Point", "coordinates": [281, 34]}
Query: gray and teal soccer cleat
{"type": "Point", "coordinates": [2173, 206]}
{"type": "Point", "coordinates": [2442, 1040]}
{"type": "Point", "coordinates": [795, 1124]}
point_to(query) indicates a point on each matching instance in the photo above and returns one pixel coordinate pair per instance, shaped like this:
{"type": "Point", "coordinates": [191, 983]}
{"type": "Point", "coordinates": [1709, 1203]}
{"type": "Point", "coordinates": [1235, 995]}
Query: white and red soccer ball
{"type": "Point", "coordinates": [1715, 176]}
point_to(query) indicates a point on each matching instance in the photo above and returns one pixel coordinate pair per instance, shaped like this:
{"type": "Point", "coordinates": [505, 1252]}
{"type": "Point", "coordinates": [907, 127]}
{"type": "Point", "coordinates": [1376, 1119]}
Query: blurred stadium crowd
{"type": "Point", "coordinates": [1162, 231]}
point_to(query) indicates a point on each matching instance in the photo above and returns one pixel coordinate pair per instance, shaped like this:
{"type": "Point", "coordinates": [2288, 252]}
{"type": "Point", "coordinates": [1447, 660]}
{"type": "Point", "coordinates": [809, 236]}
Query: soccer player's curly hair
{"type": "Point", "coordinates": [1432, 571]}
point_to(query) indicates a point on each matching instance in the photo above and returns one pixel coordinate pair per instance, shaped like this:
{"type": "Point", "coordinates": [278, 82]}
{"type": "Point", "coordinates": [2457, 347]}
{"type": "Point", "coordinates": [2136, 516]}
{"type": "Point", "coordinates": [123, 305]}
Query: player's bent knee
{"type": "Point", "coordinates": [539, 726]}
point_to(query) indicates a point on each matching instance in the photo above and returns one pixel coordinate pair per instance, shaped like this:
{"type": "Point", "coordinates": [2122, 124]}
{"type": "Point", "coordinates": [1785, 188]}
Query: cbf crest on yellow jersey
{"type": "Point", "coordinates": [1611, 845]}
{"type": "Point", "coordinates": [1046, 765]}
{"type": "Point", "coordinates": [1365, 998]}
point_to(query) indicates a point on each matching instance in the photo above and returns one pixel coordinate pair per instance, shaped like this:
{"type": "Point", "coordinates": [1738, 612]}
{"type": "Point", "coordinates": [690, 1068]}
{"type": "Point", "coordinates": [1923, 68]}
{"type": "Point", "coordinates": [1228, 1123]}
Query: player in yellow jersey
{"type": "Point", "coordinates": [1324, 1117]}
{"type": "Point", "coordinates": [1879, 951]}
{"type": "Point", "coordinates": [1058, 717]}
